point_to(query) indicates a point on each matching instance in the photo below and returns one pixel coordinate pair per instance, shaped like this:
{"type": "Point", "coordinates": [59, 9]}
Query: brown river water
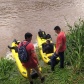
{"type": "Point", "coordinates": [20, 16]}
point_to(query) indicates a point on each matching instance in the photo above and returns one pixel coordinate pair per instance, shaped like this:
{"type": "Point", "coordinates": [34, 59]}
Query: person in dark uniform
{"type": "Point", "coordinates": [48, 47]}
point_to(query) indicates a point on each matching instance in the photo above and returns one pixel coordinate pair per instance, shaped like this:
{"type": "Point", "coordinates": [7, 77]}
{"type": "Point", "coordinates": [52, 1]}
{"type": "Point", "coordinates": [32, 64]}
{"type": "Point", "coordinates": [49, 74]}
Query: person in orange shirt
{"type": "Point", "coordinates": [32, 62]}
{"type": "Point", "coordinates": [60, 45]}
{"type": "Point", "coordinates": [60, 48]}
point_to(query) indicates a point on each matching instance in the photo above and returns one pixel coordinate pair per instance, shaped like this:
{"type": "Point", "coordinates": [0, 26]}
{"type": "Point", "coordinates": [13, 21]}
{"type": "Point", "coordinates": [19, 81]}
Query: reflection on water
{"type": "Point", "coordinates": [20, 16]}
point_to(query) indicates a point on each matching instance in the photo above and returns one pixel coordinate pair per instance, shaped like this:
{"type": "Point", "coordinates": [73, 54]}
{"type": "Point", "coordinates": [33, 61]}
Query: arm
{"type": "Point", "coordinates": [33, 54]}
{"type": "Point", "coordinates": [60, 45]}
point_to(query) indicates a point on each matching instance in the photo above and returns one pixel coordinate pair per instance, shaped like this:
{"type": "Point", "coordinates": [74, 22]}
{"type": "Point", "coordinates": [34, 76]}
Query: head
{"type": "Point", "coordinates": [48, 41]}
{"type": "Point", "coordinates": [28, 36]}
{"type": "Point", "coordinates": [57, 29]}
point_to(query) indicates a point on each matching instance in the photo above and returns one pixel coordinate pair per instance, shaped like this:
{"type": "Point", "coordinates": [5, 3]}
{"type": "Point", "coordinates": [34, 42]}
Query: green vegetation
{"type": "Point", "coordinates": [73, 73]}
{"type": "Point", "coordinates": [9, 73]}
{"type": "Point", "coordinates": [75, 47]}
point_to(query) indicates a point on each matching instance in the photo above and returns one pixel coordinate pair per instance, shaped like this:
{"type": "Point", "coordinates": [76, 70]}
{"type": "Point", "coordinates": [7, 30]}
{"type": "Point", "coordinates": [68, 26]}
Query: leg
{"type": "Point", "coordinates": [52, 65]}
{"type": "Point", "coordinates": [61, 54]}
{"type": "Point", "coordinates": [39, 73]}
{"type": "Point", "coordinates": [29, 76]}
{"type": "Point", "coordinates": [53, 62]}
{"type": "Point", "coordinates": [52, 68]}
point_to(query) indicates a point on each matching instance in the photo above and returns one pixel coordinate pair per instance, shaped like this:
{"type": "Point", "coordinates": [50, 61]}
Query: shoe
{"type": "Point", "coordinates": [42, 79]}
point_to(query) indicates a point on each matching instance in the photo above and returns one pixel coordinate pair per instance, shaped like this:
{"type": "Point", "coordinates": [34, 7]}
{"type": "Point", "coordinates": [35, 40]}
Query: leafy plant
{"type": "Point", "coordinates": [75, 46]}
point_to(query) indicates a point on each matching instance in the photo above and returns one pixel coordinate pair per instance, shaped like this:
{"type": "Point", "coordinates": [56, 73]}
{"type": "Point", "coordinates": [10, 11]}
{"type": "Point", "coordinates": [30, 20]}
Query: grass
{"type": "Point", "coordinates": [9, 74]}
{"type": "Point", "coordinates": [73, 73]}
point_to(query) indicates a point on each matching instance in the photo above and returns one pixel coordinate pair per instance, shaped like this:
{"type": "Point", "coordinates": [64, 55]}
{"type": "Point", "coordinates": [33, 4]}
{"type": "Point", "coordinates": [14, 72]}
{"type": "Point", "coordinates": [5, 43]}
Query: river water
{"type": "Point", "coordinates": [20, 16]}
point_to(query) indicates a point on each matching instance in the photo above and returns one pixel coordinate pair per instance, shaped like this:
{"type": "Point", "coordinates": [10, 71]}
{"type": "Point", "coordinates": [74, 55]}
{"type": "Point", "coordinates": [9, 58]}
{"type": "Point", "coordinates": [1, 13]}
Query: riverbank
{"type": "Point", "coordinates": [10, 75]}
{"type": "Point", "coordinates": [73, 73]}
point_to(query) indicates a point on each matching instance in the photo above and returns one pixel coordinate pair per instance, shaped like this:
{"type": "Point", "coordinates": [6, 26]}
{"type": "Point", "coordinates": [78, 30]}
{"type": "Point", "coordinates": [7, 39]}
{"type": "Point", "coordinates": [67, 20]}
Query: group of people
{"type": "Point", "coordinates": [33, 61]}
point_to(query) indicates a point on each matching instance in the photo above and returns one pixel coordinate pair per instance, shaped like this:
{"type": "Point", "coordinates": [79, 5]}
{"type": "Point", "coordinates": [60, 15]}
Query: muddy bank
{"type": "Point", "coordinates": [20, 16]}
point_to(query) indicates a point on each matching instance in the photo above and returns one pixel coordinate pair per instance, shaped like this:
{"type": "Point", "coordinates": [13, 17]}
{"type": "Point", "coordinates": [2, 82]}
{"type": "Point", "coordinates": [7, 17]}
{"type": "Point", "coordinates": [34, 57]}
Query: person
{"type": "Point", "coordinates": [60, 47]}
{"type": "Point", "coordinates": [48, 47]}
{"type": "Point", "coordinates": [32, 62]}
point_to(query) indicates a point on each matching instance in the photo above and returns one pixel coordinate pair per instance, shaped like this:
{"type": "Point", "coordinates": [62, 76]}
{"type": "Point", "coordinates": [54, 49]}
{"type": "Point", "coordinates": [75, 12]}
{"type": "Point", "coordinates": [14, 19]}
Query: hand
{"type": "Point", "coordinates": [57, 52]}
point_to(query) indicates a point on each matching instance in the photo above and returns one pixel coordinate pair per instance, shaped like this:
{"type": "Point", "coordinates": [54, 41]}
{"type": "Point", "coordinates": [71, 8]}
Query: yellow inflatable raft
{"type": "Point", "coordinates": [45, 57]}
{"type": "Point", "coordinates": [21, 68]}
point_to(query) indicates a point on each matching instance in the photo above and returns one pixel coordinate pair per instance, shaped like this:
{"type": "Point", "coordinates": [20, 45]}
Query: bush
{"type": "Point", "coordinates": [75, 46]}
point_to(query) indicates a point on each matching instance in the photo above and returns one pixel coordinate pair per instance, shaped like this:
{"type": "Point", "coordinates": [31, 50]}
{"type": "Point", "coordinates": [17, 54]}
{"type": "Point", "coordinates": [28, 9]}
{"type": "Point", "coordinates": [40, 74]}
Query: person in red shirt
{"type": "Point", "coordinates": [32, 62]}
{"type": "Point", "coordinates": [60, 48]}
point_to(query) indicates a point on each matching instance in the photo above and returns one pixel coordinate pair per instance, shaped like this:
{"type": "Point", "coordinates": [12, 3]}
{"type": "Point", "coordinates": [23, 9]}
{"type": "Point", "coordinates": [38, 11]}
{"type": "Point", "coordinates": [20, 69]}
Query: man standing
{"type": "Point", "coordinates": [32, 62]}
{"type": "Point", "coordinates": [60, 45]}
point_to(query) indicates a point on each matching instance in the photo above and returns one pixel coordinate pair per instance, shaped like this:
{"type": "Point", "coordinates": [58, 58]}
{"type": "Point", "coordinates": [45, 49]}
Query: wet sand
{"type": "Point", "coordinates": [20, 16]}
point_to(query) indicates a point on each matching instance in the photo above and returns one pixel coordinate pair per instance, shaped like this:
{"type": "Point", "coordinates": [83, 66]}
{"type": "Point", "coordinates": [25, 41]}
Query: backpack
{"type": "Point", "coordinates": [22, 53]}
